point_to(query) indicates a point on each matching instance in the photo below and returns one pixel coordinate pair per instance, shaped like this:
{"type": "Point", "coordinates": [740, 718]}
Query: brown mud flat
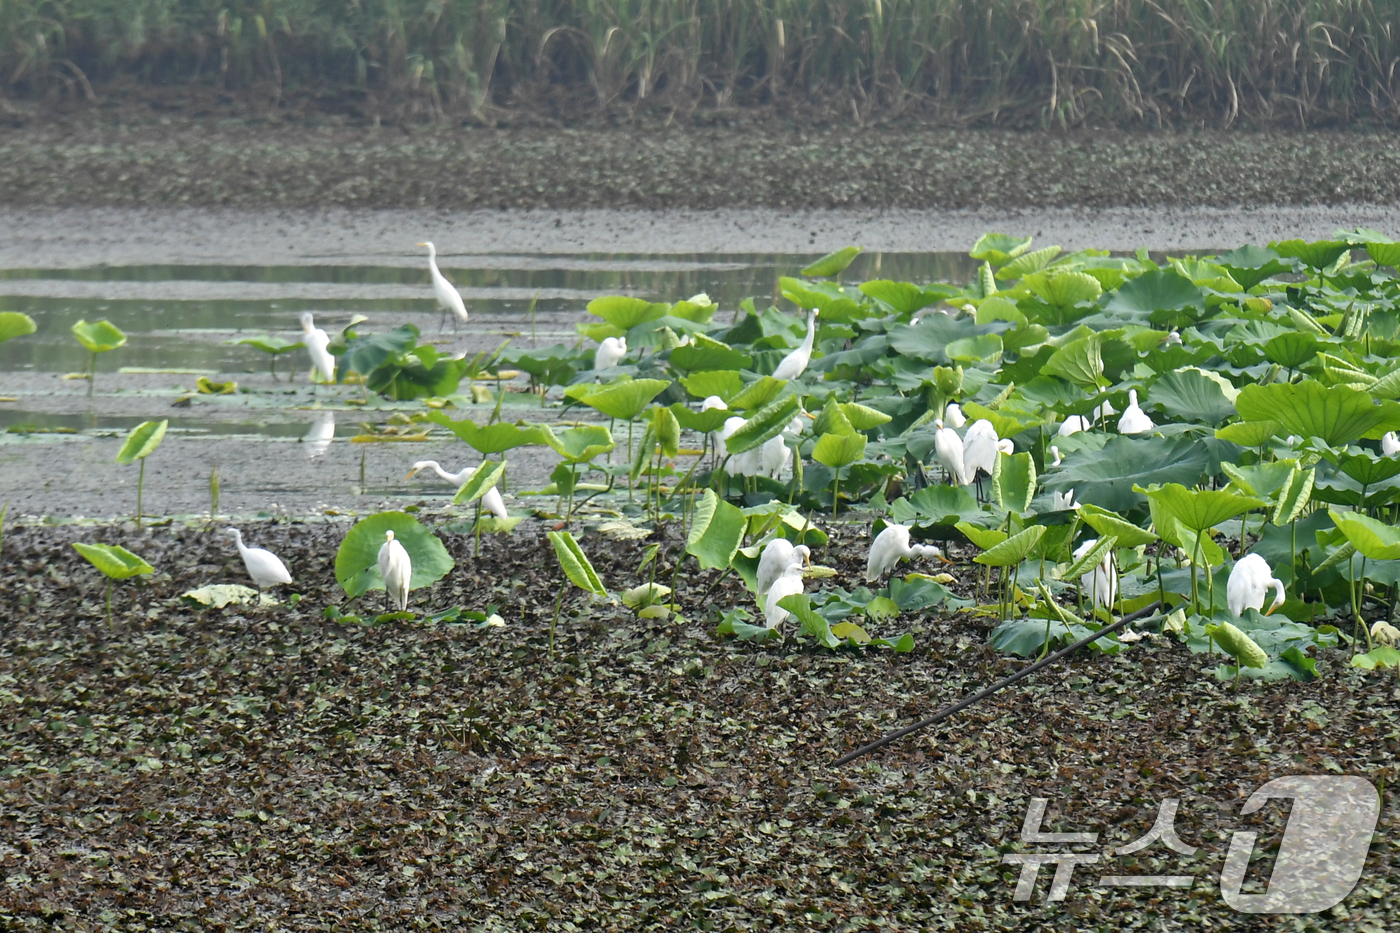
{"type": "Point", "coordinates": [226, 769]}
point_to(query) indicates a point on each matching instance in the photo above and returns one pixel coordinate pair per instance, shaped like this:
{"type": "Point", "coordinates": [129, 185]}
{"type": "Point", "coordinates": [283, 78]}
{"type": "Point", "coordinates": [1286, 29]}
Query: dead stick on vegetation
{"type": "Point", "coordinates": [1000, 684]}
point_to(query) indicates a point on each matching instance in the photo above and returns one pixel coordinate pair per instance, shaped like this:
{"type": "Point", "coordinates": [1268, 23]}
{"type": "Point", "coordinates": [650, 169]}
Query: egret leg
{"type": "Point", "coordinates": [442, 322]}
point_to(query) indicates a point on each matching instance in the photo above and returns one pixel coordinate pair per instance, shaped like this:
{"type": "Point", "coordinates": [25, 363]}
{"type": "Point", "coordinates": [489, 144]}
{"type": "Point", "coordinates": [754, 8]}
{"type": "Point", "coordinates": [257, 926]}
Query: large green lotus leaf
{"type": "Point", "coordinates": [1338, 415]}
{"type": "Point", "coordinates": [1090, 558]}
{"type": "Point", "coordinates": [1367, 469]}
{"type": "Point", "coordinates": [1384, 254]}
{"type": "Point", "coordinates": [715, 531]}
{"type": "Point", "coordinates": [1319, 254]}
{"type": "Point", "coordinates": [1079, 361]}
{"type": "Point", "coordinates": [625, 399]}
{"type": "Point", "coordinates": [718, 382]}
{"type": "Point", "coordinates": [833, 419]}
{"type": "Point", "coordinates": [984, 538]}
{"type": "Point", "coordinates": [1028, 263]}
{"type": "Point", "coordinates": [998, 308]}
{"type": "Point", "coordinates": [698, 309]}
{"type": "Point", "coordinates": [99, 336]}
{"type": "Point", "coordinates": [667, 428]}
{"type": "Point", "coordinates": [270, 343]}
{"type": "Point", "coordinates": [999, 248]}
{"type": "Point", "coordinates": [928, 340]}
{"type": "Point", "coordinates": [365, 354]}
{"type": "Point", "coordinates": [575, 563]}
{"type": "Point", "coordinates": [357, 561]}
{"type": "Point", "coordinates": [709, 354]}
{"type": "Point", "coordinates": [1248, 433]}
{"type": "Point", "coordinates": [1207, 275]}
{"type": "Point", "coordinates": [903, 297]}
{"type": "Point", "coordinates": [1381, 655]}
{"type": "Point", "coordinates": [981, 348]}
{"type": "Point", "coordinates": [757, 394]}
{"type": "Point", "coordinates": [1387, 386]}
{"type": "Point", "coordinates": [838, 450]}
{"type": "Point", "coordinates": [1107, 479]}
{"type": "Point", "coordinates": [1013, 482]}
{"type": "Point", "coordinates": [1110, 524]}
{"type": "Point", "coordinates": [142, 441]}
{"type": "Point", "coordinates": [825, 297]}
{"type": "Point", "coordinates": [580, 444]}
{"type": "Point", "coordinates": [113, 560]}
{"type": "Point", "coordinates": [1064, 289]}
{"type": "Point", "coordinates": [1375, 540]}
{"type": "Point", "coordinates": [833, 263]}
{"type": "Point", "coordinates": [935, 504]}
{"type": "Point", "coordinates": [553, 365]}
{"type": "Point", "coordinates": [1200, 509]}
{"type": "Point", "coordinates": [1250, 265]}
{"type": "Point", "coordinates": [768, 422]}
{"type": "Point", "coordinates": [1292, 349]}
{"type": "Point", "coordinates": [701, 422]}
{"type": "Point", "coordinates": [13, 324]}
{"type": "Point", "coordinates": [863, 417]}
{"type": "Point", "coordinates": [1260, 479]}
{"type": "Point", "coordinates": [1237, 644]}
{"type": "Point", "coordinates": [418, 373]}
{"type": "Point", "coordinates": [1191, 395]}
{"type": "Point", "coordinates": [482, 481]}
{"type": "Point", "coordinates": [492, 438]}
{"type": "Point", "coordinates": [1013, 550]}
{"type": "Point", "coordinates": [1008, 423]}
{"type": "Point", "coordinates": [1294, 495]}
{"type": "Point", "coordinates": [1161, 296]}
{"type": "Point", "coordinates": [624, 312]}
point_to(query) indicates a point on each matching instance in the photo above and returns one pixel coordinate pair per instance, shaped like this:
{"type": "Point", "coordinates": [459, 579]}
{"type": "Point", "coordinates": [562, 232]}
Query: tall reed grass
{"type": "Point", "coordinates": [1006, 62]}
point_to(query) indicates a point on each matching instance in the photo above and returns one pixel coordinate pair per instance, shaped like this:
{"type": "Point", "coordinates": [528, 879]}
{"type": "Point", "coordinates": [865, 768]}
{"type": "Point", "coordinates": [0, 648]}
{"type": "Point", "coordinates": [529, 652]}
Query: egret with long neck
{"type": "Point", "coordinates": [448, 298]}
{"type": "Point", "coordinates": [491, 501]}
{"type": "Point", "coordinates": [795, 363]}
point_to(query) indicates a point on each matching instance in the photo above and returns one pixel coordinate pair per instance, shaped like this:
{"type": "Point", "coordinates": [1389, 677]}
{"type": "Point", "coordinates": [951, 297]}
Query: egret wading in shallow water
{"type": "Point", "coordinates": [1102, 581]}
{"type": "Point", "coordinates": [948, 450]}
{"type": "Point", "coordinates": [448, 298]}
{"type": "Point", "coordinates": [795, 363]}
{"type": "Point", "coordinates": [777, 556]}
{"type": "Point", "coordinates": [265, 567]}
{"type": "Point", "coordinates": [789, 583]}
{"type": "Point", "coordinates": [396, 569]}
{"type": "Point", "coordinates": [1134, 420]}
{"type": "Point", "coordinates": [316, 342]}
{"type": "Point", "coordinates": [1250, 579]}
{"type": "Point", "coordinates": [892, 545]}
{"type": "Point", "coordinates": [610, 352]}
{"type": "Point", "coordinates": [491, 501]}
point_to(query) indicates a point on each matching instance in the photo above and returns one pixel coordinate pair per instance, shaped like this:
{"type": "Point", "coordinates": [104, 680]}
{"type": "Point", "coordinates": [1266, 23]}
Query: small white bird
{"type": "Point", "coordinates": [1073, 425]}
{"type": "Point", "coordinates": [1390, 444]}
{"type": "Point", "coordinates": [953, 414]}
{"type": "Point", "coordinates": [948, 450]}
{"type": "Point", "coordinates": [1102, 581]}
{"type": "Point", "coordinates": [979, 449]}
{"type": "Point", "coordinates": [491, 501]}
{"type": "Point", "coordinates": [1060, 501]}
{"type": "Point", "coordinates": [318, 439]}
{"type": "Point", "coordinates": [777, 556]}
{"type": "Point", "coordinates": [1006, 446]}
{"type": "Point", "coordinates": [789, 583]}
{"type": "Point", "coordinates": [892, 545]}
{"type": "Point", "coordinates": [316, 341]}
{"type": "Point", "coordinates": [1250, 579]}
{"type": "Point", "coordinates": [795, 363]}
{"type": "Point", "coordinates": [396, 569]}
{"type": "Point", "coordinates": [1056, 451]}
{"type": "Point", "coordinates": [610, 352]}
{"type": "Point", "coordinates": [448, 298]}
{"type": "Point", "coordinates": [1173, 339]}
{"type": "Point", "coordinates": [265, 567]}
{"type": "Point", "coordinates": [1104, 411]}
{"type": "Point", "coordinates": [774, 456]}
{"type": "Point", "coordinates": [1134, 420]}
{"type": "Point", "coordinates": [714, 401]}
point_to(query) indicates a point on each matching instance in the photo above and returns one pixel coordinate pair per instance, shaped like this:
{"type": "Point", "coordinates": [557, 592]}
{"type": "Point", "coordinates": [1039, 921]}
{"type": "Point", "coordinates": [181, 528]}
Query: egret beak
{"type": "Point", "coordinates": [808, 559]}
{"type": "Point", "coordinates": [410, 476]}
{"type": "Point", "coordinates": [1271, 610]}
{"type": "Point", "coordinates": [421, 244]}
{"type": "Point", "coordinates": [944, 559]}
{"type": "Point", "coordinates": [809, 414]}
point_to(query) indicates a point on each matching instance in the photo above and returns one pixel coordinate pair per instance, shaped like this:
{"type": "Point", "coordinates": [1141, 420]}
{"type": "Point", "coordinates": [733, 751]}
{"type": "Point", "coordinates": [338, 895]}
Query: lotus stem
{"type": "Point", "coordinates": [92, 371]}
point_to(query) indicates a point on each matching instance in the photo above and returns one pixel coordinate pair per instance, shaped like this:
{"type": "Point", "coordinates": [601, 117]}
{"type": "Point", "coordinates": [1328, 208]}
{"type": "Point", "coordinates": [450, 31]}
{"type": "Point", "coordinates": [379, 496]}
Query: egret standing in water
{"type": "Point", "coordinates": [1250, 579]}
{"type": "Point", "coordinates": [892, 545]}
{"type": "Point", "coordinates": [610, 352]}
{"type": "Point", "coordinates": [396, 569]}
{"type": "Point", "coordinates": [316, 341]}
{"type": "Point", "coordinates": [491, 501]}
{"type": "Point", "coordinates": [448, 298]}
{"type": "Point", "coordinates": [795, 363]}
{"type": "Point", "coordinates": [265, 567]}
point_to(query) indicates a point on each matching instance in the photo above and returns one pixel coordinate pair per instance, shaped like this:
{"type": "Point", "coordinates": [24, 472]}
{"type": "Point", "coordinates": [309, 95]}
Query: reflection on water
{"type": "Point", "coordinates": [188, 316]}
{"type": "Point", "coordinates": [319, 438]}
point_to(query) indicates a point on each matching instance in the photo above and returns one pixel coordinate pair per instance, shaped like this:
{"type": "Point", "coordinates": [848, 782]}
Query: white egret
{"type": "Point", "coordinates": [1006, 446]}
{"type": "Point", "coordinates": [1102, 581]}
{"type": "Point", "coordinates": [777, 556]}
{"type": "Point", "coordinates": [953, 414]}
{"type": "Point", "coordinates": [265, 567]}
{"type": "Point", "coordinates": [747, 463]}
{"type": "Point", "coordinates": [789, 583]}
{"type": "Point", "coordinates": [1172, 339]}
{"type": "Point", "coordinates": [1056, 451]}
{"type": "Point", "coordinates": [1390, 444]}
{"type": "Point", "coordinates": [1073, 425]}
{"type": "Point", "coordinates": [714, 401]}
{"type": "Point", "coordinates": [1134, 420]}
{"type": "Point", "coordinates": [1104, 412]}
{"type": "Point", "coordinates": [795, 363]}
{"type": "Point", "coordinates": [610, 352]}
{"type": "Point", "coordinates": [979, 449]}
{"type": "Point", "coordinates": [319, 438]}
{"type": "Point", "coordinates": [774, 457]}
{"type": "Point", "coordinates": [1060, 501]}
{"type": "Point", "coordinates": [1250, 579]}
{"type": "Point", "coordinates": [890, 546]}
{"type": "Point", "coordinates": [491, 501]}
{"type": "Point", "coordinates": [948, 449]}
{"type": "Point", "coordinates": [396, 569]}
{"type": "Point", "coordinates": [316, 341]}
{"type": "Point", "coordinates": [448, 298]}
